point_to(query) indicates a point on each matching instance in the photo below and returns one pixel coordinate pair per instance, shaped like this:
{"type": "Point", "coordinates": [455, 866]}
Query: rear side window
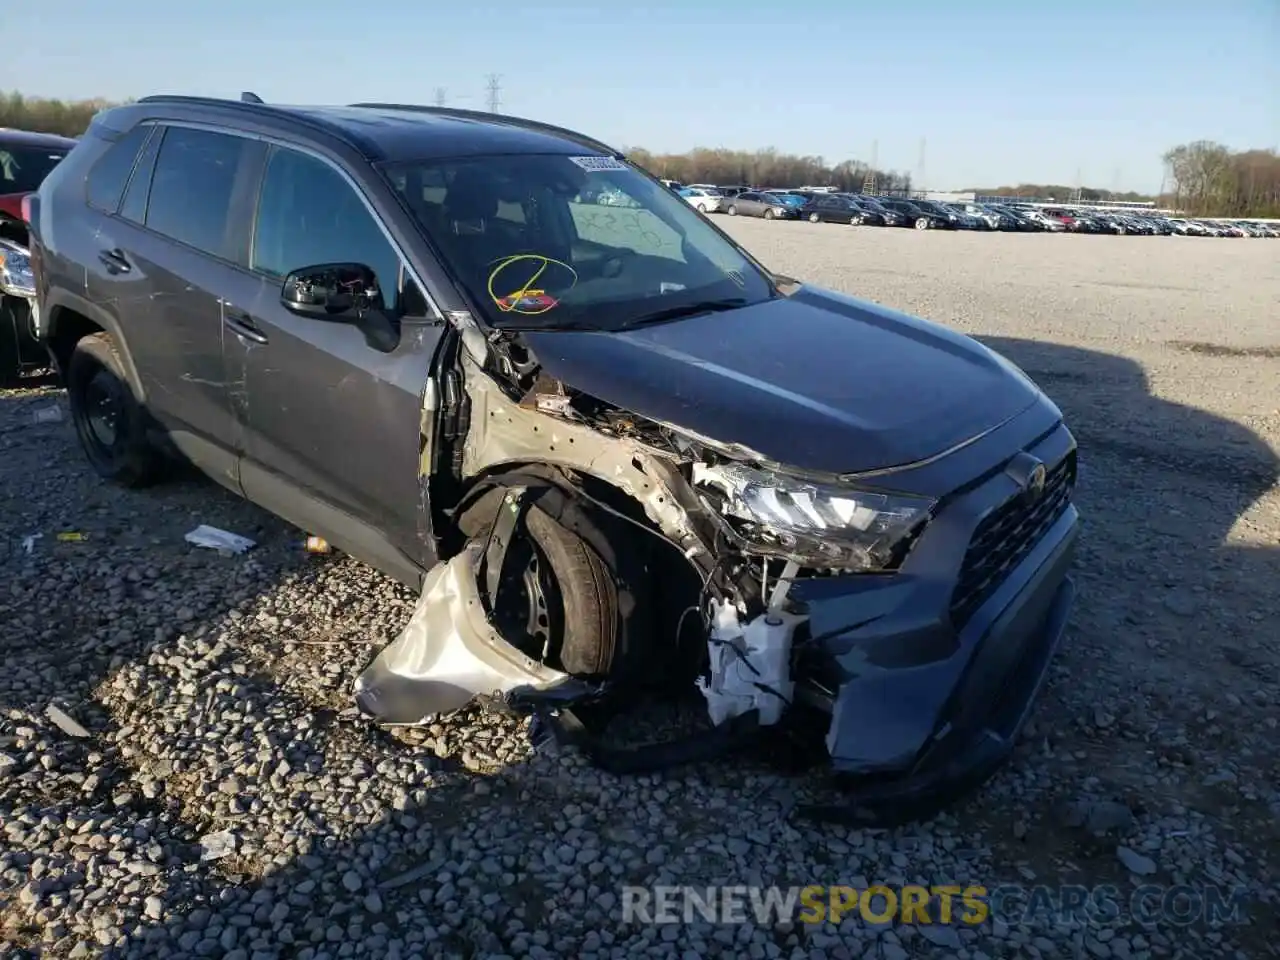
{"type": "Point", "coordinates": [134, 206]}
{"type": "Point", "coordinates": [191, 188]}
{"type": "Point", "coordinates": [107, 178]}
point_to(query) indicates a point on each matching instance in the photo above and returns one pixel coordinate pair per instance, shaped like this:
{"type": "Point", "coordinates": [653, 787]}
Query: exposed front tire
{"type": "Point", "coordinates": [108, 419]}
{"type": "Point", "coordinates": [574, 591]}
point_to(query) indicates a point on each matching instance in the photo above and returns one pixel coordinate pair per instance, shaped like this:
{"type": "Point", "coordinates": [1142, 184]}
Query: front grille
{"type": "Point", "coordinates": [1004, 538]}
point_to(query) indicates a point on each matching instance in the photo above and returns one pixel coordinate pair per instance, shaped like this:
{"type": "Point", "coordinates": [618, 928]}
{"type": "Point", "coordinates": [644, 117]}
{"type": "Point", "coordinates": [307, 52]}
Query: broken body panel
{"type": "Point", "coordinates": [926, 673]}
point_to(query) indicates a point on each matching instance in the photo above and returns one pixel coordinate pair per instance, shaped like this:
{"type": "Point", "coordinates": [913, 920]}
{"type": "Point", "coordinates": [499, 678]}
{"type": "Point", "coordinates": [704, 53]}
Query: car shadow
{"type": "Point", "coordinates": [435, 841]}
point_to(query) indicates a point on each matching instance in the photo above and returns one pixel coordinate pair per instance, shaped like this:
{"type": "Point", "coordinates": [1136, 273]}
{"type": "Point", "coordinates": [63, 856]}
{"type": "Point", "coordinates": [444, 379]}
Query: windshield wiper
{"type": "Point", "coordinates": [686, 310]}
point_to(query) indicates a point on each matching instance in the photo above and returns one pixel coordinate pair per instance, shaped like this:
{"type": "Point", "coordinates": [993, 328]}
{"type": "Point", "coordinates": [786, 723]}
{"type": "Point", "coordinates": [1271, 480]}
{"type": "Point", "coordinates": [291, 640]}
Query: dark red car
{"type": "Point", "coordinates": [25, 160]}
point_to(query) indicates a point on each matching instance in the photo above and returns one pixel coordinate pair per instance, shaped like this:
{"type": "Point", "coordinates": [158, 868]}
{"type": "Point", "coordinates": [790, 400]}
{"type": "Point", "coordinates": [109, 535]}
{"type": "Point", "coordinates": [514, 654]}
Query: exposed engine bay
{"type": "Point", "coordinates": [492, 411]}
{"type": "Point", "coordinates": [772, 592]}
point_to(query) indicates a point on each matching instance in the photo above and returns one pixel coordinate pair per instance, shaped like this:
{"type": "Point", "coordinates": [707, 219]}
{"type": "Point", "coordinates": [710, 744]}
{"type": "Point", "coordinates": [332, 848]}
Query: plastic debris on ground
{"type": "Point", "coordinates": [50, 414]}
{"type": "Point", "coordinates": [220, 540]}
{"type": "Point", "coordinates": [316, 545]}
{"type": "Point", "coordinates": [72, 536]}
{"type": "Point", "coordinates": [215, 846]}
{"type": "Point", "coordinates": [29, 542]}
{"type": "Point", "coordinates": [65, 722]}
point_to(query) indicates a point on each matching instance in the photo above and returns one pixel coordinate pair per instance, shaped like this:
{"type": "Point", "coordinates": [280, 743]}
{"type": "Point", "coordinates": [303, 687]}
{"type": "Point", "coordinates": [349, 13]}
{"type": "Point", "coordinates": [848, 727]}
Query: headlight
{"type": "Point", "coordinates": [16, 277]}
{"type": "Point", "coordinates": [827, 526]}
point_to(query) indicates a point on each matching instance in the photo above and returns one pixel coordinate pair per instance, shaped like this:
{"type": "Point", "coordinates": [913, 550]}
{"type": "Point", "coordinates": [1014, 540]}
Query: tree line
{"type": "Point", "coordinates": [43, 115]}
{"type": "Point", "coordinates": [1208, 178]}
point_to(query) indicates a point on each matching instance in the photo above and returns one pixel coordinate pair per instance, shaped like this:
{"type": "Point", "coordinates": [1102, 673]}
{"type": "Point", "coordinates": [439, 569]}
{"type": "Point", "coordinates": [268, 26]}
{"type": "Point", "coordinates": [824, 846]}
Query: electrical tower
{"type": "Point", "coordinates": [869, 182]}
{"type": "Point", "coordinates": [495, 90]}
{"type": "Point", "coordinates": [440, 96]}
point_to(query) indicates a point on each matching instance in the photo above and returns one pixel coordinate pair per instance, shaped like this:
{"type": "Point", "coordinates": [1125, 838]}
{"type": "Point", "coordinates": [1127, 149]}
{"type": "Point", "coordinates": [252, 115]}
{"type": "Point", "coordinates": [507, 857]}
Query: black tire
{"type": "Point", "coordinates": [576, 588]}
{"type": "Point", "coordinates": [17, 340]}
{"type": "Point", "coordinates": [111, 424]}
{"type": "Point", "coordinates": [588, 643]}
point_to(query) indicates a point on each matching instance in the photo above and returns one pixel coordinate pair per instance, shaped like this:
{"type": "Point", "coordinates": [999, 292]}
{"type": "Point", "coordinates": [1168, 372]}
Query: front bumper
{"type": "Point", "coordinates": [926, 698]}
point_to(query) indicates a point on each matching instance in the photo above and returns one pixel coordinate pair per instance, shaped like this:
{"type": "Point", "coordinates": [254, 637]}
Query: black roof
{"type": "Point", "coordinates": [392, 132]}
{"type": "Point", "coordinates": [25, 138]}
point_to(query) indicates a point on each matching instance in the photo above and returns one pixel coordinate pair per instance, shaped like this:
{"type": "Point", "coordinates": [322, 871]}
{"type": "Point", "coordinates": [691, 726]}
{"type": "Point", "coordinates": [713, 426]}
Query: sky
{"type": "Point", "coordinates": [985, 92]}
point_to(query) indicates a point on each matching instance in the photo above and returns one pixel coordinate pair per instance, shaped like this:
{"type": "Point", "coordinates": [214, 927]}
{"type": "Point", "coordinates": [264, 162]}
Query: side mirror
{"type": "Point", "coordinates": [331, 291]}
{"type": "Point", "coordinates": [343, 293]}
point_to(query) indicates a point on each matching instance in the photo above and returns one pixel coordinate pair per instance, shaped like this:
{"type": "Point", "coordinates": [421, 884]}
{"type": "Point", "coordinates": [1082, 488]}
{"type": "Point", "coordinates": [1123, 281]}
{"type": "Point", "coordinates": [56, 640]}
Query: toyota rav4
{"type": "Point", "coordinates": [597, 437]}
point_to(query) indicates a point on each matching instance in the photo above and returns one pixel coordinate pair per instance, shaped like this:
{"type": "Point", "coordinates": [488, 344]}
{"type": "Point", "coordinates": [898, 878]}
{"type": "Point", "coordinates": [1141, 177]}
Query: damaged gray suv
{"type": "Point", "coordinates": [495, 360]}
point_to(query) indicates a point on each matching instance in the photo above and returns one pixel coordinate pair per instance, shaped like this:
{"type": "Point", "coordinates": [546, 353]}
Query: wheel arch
{"type": "Point", "coordinates": [68, 318]}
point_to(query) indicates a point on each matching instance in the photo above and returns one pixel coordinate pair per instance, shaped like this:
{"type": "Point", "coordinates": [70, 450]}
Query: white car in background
{"type": "Point", "coordinates": [701, 199]}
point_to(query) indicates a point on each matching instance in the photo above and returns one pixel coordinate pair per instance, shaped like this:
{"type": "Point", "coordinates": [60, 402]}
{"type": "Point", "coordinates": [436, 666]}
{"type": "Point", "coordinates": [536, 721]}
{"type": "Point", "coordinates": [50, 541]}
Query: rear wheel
{"type": "Point", "coordinates": [109, 421]}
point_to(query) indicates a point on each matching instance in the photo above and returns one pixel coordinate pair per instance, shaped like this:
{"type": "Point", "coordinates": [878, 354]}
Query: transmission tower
{"type": "Point", "coordinates": [495, 90]}
{"type": "Point", "coordinates": [440, 96]}
{"type": "Point", "coordinates": [869, 182]}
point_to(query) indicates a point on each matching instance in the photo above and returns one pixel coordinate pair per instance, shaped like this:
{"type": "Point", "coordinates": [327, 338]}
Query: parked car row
{"type": "Point", "coordinates": [821, 206]}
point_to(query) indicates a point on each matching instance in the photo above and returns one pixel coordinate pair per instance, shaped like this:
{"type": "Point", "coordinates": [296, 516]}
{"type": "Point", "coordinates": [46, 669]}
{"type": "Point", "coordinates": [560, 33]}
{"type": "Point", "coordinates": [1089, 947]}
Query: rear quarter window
{"type": "Point", "coordinates": [107, 178]}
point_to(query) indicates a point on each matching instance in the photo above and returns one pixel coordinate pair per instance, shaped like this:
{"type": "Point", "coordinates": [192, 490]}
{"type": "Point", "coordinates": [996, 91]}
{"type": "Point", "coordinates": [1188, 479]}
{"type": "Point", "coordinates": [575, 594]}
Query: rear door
{"type": "Point", "coordinates": [178, 238]}
{"type": "Point", "coordinates": [331, 425]}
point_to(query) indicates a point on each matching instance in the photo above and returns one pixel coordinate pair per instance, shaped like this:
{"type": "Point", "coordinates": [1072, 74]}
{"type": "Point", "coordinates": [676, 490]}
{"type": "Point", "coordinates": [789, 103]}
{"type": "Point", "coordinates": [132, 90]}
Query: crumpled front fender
{"type": "Point", "coordinates": [447, 654]}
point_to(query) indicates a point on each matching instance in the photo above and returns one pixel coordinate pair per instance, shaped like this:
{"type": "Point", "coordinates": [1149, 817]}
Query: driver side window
{"type": "Point", "coordinates": [309, 214]}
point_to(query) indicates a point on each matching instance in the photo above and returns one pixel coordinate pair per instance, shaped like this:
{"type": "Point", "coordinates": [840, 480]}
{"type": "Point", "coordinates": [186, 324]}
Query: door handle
{"type": "Point", "coordinates": [241, 324]}
{"type": "Point", "coordinates": [114, 260]}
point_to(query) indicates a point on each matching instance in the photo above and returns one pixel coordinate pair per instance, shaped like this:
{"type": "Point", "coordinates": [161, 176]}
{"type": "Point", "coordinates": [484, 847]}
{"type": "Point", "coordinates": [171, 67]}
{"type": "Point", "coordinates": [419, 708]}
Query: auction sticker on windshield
{"type": "Point", "coordinates": [599, 164]}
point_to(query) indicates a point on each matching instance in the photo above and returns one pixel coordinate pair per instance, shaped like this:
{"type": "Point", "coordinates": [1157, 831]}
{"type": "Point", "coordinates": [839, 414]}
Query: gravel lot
{"type": "Point", "coordinates": [215, 690]}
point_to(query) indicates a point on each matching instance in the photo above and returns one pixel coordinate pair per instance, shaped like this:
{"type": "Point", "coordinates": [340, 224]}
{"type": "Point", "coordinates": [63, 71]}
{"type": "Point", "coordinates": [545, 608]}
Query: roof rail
{"type": "Point", "coordinates": [256, 105]}
{"type": "Point", "coordinates": [501, 118]}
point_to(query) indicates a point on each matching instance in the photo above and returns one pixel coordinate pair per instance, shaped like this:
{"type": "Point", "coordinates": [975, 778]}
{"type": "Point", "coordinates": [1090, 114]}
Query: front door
{"type": "Point", "coordinates": [331, 424]}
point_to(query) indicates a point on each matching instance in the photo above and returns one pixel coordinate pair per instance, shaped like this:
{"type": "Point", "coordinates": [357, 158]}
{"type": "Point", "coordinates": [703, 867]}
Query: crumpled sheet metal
{"type": "Point", "coordinates": [447, 654]}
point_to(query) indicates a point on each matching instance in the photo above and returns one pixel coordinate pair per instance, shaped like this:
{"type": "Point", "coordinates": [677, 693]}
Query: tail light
{"type": "Point", "coordinates": [26, 209]}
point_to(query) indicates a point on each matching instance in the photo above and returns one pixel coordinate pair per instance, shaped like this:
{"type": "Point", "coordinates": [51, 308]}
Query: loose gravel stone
{"type": "Point", "coordinates": [228, 801]}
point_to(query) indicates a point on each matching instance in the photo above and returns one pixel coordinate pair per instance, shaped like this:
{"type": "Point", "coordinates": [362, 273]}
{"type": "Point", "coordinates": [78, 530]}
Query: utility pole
{"type": "Point", "coordinates": [869, 182]}
{"type": "Point", "coordinates": [440, 96]}
{"type": "Point", "coordinates": [1079, 186]}
{"type": "Point", "coordinates": [495, 89]}
{"type": "Point", "coordinates": [920, 171]}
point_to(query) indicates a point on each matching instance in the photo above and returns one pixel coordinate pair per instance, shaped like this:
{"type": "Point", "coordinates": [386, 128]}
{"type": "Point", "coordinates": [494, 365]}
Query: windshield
{"type": "Point", "coordinates": [544, 240]}
{"type": "Point", "coordinates": [23, 169]}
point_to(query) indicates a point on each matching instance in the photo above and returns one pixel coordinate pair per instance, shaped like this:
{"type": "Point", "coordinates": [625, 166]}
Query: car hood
{"type": "Point", "coordinates": [816, 380]}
